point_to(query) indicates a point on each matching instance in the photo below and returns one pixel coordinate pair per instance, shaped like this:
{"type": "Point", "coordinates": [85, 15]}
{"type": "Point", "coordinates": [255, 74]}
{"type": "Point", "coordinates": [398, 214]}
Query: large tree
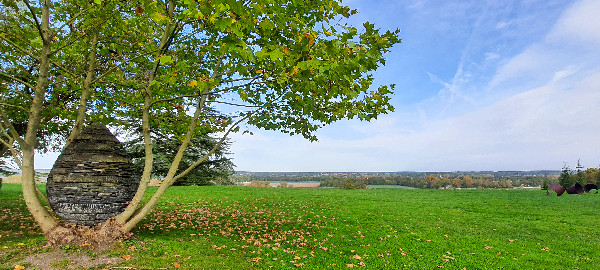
{"type": "Point", "coordinates": [291, 66]}
{"type": "Point", "coordinates": [216, 170]}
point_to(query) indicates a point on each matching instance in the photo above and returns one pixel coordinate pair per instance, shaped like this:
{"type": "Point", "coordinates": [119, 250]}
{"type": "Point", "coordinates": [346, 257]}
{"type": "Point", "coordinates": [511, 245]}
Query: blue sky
{"type": "Point", "coordinates": [480, 85]}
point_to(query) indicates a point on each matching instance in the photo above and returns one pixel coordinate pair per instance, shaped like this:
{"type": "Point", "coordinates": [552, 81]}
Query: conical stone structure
{"type": "Point", "coordinates": [93, 178]}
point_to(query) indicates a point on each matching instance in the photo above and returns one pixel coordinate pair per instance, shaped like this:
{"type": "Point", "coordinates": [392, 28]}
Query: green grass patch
{"type": "Point", "coordinates": [243, 227]}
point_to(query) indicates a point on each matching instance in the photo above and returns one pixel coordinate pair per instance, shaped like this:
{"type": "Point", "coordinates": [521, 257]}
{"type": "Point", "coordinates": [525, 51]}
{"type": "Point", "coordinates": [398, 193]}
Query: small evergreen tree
{"type": "Point", "coordinates": [565, 178]}
{"type": "Point", "coordinates": [579, 179]}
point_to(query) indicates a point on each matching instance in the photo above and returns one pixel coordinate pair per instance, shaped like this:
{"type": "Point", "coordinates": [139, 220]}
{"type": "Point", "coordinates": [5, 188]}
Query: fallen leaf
{"type": "Point", "coordinates": [177, 265]}
{"type": "Point", "coordinates": [126, 257]}
{"type": "Point", "coordinates": [19, 267]}
{"type": "Point", "coordinates": [357, 257]}
{"type": "Point", "coordinates": [350, 265]}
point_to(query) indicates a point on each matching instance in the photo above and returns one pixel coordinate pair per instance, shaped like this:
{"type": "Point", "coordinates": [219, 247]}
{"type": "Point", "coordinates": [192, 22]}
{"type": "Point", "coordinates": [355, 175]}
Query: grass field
{"type": "Point", "coordinates": [243, 227]}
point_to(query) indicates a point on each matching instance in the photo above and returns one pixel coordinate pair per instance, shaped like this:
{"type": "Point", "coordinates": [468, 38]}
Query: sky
{"type": "Point", "coordinates": [480, 85]}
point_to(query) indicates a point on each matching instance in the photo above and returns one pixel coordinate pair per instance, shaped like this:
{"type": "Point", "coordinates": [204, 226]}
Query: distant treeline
{"type": "Point", "coordinates": [412, 179]}
{"type": "Point", "coordinates": [439, 181]}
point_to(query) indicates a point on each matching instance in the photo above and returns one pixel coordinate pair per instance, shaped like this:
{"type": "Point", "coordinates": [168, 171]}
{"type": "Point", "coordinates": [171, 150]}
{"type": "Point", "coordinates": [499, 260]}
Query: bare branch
{"type": "Point", "coordinates": [16, 80]}
{"type": "Point", "coordinates": [13, 106]}
{"type": "Point", "coordinates": [237, 105]}
{"type": "Point", "coordinates": [17, 47]}
{"type": "Point", "coordinates": [11, 129]}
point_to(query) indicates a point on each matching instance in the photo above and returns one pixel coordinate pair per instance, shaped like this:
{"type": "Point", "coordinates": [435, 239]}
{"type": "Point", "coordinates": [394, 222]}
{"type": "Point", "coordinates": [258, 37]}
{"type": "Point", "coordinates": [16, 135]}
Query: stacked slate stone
{"type": "Point", "coordinates": [93, 178]}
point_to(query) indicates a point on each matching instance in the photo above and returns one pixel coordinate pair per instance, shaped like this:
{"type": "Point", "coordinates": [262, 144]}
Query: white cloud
{"type": "Point", "coordinates": [580, 23]}
{"type": "Point", "coordinates": [540, 110]}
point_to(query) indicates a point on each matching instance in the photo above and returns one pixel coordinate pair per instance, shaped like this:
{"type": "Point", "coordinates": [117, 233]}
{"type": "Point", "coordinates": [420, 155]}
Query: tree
{"type": "Point", "coordinates": [566, 177]}
{"type": "Point", "coordinates": [580, 174]}
{"type": "Point", "coordinates": [290, 66]}
{"type": "Point", "coordinates": [216, 170]}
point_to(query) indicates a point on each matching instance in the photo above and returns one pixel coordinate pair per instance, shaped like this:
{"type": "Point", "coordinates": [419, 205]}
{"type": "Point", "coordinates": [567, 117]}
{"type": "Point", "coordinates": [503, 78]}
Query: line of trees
{"type": "Point", "coordinates": [580, 175]}
{"type": "Point", "coordinates": [436, 181]}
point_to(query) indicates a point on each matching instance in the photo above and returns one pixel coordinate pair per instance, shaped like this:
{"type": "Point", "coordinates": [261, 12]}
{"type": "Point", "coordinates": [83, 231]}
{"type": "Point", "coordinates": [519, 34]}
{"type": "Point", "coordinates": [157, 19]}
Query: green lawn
{"type": "Point", "coordinates": [243, 227]}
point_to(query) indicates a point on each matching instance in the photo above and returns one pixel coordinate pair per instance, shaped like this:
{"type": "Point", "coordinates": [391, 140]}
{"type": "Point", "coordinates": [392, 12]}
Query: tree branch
{"type": "Point", "coordinates": [213, 150]}
{"type": "Point", "coordinates": [38, 26]}
{"type": "Point", "coordinates": [85, 92]}
{"type": "Point", "coordinates": [116, 66]}
{"type": "Point", "coordinates": [16, 46]}
{"type": "Point", "coordinates": [125, 216]}
{"type": "Point", "coordinates": [71, 20]}
{"type": "Point", "coordinates": [42, 216]}
{"type": "Point", "coordinates": [13, 106]}
{"type": "Point", "coordinates": [16, 80]}
{"type": "Point", "coordinates": [168, 181]}
{"type": "Point", "coordinates": [8, 125]}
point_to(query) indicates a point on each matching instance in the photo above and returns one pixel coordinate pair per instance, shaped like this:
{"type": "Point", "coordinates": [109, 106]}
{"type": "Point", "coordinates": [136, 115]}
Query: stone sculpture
{"type": "Point", "coordinates": [93, 178]}
{"type": "Point", "coordinates": [587, 188]}
{"type": "Point", "coordinates": [556, 188]}
{"type": "Point", "coordinates": [575, 189]}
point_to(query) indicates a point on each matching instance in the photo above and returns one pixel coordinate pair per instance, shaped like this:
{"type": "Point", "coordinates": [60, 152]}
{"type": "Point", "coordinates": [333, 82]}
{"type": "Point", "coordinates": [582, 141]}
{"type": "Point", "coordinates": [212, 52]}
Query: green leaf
{"type": "Point", "coordinates": [165, 59]}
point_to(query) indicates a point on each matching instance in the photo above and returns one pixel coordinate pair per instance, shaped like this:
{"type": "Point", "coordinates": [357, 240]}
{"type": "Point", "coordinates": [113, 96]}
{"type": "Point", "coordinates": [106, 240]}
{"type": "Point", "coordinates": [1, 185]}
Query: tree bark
{"type": "Point", "coordinates": [149, 157]}
{"type": "Point", "coordinates": [85, 92]}
{"type": "Point", "coordinates": [45, 219]}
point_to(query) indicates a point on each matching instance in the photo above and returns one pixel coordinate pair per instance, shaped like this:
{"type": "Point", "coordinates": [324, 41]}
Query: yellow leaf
{"type": "Point", "coordinates": [19, 267]}
{"type": "Point", "coordinates": [193, 83]}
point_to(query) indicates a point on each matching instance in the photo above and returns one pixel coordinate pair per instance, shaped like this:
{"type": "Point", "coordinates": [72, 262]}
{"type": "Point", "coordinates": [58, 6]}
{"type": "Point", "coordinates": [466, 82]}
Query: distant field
{"type": "Point", "coordinates": [244, 227]}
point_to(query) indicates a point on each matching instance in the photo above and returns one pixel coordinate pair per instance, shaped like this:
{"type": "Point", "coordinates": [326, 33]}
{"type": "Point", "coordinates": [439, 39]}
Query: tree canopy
{"type": "Point", "coordinates": [292, 66]}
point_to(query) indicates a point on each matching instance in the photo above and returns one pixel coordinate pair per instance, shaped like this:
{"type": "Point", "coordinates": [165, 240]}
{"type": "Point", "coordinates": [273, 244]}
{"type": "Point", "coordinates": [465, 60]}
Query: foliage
{"type": "Point", "coordinates": [432, 181]}
{"type": "Point", "coordinates": [290, 66]}
{"type": "Point", "coordinates": [214, 171]}
{"type": "Point", "coordinates": [242, 228]}
{"type": "Point", "coordinates": [256, 183]}
{"type": "Point", "coordinates": [568, 178]}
